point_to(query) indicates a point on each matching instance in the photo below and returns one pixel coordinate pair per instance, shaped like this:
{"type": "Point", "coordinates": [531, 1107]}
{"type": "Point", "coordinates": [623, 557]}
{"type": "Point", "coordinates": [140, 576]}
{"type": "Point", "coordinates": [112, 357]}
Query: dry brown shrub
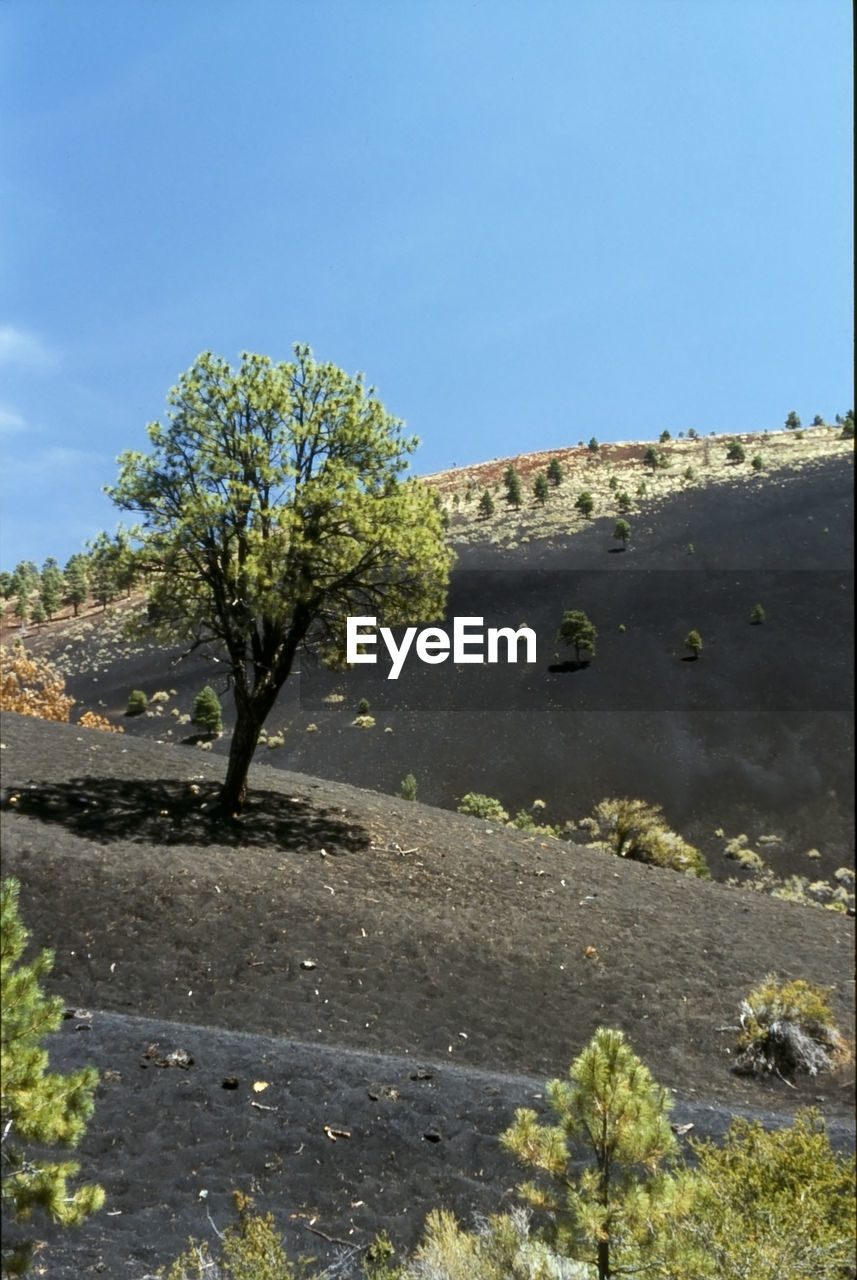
{"type": "Point", "coordinates": [30, 686]}
{"type": "Point", "coordinates": [90, 720]}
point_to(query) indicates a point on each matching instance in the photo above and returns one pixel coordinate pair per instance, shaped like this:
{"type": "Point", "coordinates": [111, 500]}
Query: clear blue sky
{"type": "Point", "coordinates": [527, 221]}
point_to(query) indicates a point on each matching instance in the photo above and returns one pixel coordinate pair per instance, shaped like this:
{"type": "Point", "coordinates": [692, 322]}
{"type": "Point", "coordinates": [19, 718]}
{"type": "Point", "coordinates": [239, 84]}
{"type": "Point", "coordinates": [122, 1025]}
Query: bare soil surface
{"type": "Point", "coordinates": [368, 961]}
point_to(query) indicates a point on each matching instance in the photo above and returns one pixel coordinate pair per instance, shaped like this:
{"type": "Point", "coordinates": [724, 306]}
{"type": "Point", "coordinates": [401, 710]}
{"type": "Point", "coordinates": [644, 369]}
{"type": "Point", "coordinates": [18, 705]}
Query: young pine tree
{"type": "Point", "coordinates": [541, 489]}
{"type": "Point", "coordinates": [622, 532]}
{"type": "Point", "coordinates": [486, 505]}
{"type": "Point", "coordinates": [585, 503]}
{"type": "Point", "coordinates": [608, 1213]}
{"type": "Point", "coordinates": [555, 472]}
{"type": "Point", "coordinates": [36, 1106]}
{"type": "Point", "coordinates": [207, 711]}
{"type": "Point", "coordinates": [514, 492]}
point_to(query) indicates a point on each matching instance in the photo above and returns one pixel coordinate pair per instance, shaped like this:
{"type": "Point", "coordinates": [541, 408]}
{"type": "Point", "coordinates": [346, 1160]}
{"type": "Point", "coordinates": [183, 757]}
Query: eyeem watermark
{"type": "Point", "coordinates": [470, 643]}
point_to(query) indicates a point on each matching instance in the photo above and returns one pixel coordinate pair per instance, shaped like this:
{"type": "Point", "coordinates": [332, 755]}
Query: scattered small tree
{"type": "Point", "coordinates": [756, 462]}
{"type": "Point", "coordinates": [593, 445]}
{"type": "Point", "coordinates": [665, 437]}
{"type": "Point", "coordinates": [555, 472]}
{"type": "Point", "coordinates": [622, 532]}
{"type": "Point", "coordinates": [847, 425]}
{"type": "Point", "coordinates": [611, 1104]}
{"type": "Point", "coordinates": [655, 459]}
{"type": "Point", "coordinates": [38, 614]}
{"type": "Point", "coordinates": [576, 629]}
{"type": "Point", "coordinates": [50, 587]}
{"type": "Point", "coordinates": [408, 787]}
{"type": "Point", "coordinates": [541, 489]}
{"type": "Point", "coordinates": [207, 711]}
{"type": "Point", "coordinates": [693, 642]}
{"type": "Point", "coordinates": [736, 451]}
{"type": "Point", "coordinates": [75, 586]}
{"type": "Point", "coordinates": [692, 433]}
{"type": "Point", "coordinates": [36, 1106]}
{"type": "Point", "coordinates": [514, 491]}
{"type": "Point", "coordinates": [363, 707]}
{"type": "Point", "coordinates": [792, 422]}
{"type": "Point", "coordinates": [689, 473]}
{"type": "Point", "coordinates": [486, 505]}
{"type": "Point", "coordinates": [623, 501]}
{"type": "Point", "coordinates": [137, 703]}
{"type": "Point", "coordinates": [585, 503]}
{"type": "Point", "coordinates": [818, 421]}
{"type": "Point", "coordinates": [757, 615]}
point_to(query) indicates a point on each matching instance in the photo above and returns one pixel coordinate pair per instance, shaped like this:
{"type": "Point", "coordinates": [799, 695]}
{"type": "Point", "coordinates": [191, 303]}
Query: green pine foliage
{"type": "Point", "coordinates": [486, 505]}
{"type": "Point", "coordinates": [541, 489]}
{"type": "Point", "coordinates": [36, 1106]}
{"type": "Point", "coordinates": [514, 490]}
{"type": "Point", "coordinates": [693, 642]}
{"type": "Point", "coordinates": [207, 711]}
{"type": "Point", "coordinates": [736, 451]}
{"type": "Point", "coordinates": [273, 501]}
{"type": "Point", "coordinates": [555, 472]}
{"type": "Point", "coordinates": [607, 1214]}
{"type": "Point", "coordinates": [585, 503]}
{"type": "Point", "coordinates": [622, 532]}
{"type": "Point", "coordinates": [576, 629]}
{"type": "Point", "coordinates": [408, 787]}
{"type": "Point", "coordinates": [757, 615]}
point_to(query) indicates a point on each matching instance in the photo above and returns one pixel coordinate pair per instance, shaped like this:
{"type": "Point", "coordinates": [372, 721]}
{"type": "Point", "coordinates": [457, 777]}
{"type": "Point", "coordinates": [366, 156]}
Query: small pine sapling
{"type": "Point", "coordinates": [541, 489]}
{"type": "Point", "coordinates": [555, 472]}
{"type": "Point", "coordinates": [585, 503]}
{"type": "Point", "coordinates": [622, 532]}
{"type": "Point", "coordinates": [36, 1106]}
{"type": "Point", "coordinates": [486, 505]}
{"type": "Point", "coordinates": [757, 615]}
{"type": "Point", "coordinates": [693, 642]}
{"type": "Point", "coordinates": [207, 711]}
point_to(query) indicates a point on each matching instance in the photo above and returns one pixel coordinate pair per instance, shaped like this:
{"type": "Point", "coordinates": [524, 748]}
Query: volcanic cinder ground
{"type": "Point", "coordinates": [399, 977]}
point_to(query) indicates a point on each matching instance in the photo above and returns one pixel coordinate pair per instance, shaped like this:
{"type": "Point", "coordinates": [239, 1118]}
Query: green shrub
{"type": "Point", "coordinates": [757, 615]}
{"type": "Point", "coordinates": [637, 830]}
{"type": "Point", "coordinates": [788, 1027]}
{"type": "Point", "coordinates": [207, 711]}
{"type": "Point", "coordinates": [137, 703]}
{"type": "Point", "coordinates": [363, 707]}
{"type": "Point", "coordinates": [771, 1205]}
{"type": "Point", "coordinates": [408, 787]}
{"type": "Point", "coordinates": [480, 806]}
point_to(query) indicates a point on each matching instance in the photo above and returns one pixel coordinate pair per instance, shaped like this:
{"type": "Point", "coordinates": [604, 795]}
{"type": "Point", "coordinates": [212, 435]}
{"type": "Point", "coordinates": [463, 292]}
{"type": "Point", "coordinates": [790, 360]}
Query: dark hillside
{"type": "Point", "coordinates": [754, 738]}
{"type": "Point", "coordinates": [349, 921]}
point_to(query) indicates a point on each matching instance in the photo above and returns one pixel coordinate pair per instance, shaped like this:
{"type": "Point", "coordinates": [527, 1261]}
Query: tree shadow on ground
{"type": "Point", "coordinates": [166, 812]}
{"type": "Point", "coordinates": [560, 668]}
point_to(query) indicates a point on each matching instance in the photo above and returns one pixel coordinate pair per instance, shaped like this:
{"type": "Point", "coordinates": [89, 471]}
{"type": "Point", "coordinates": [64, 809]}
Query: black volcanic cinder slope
{"type": "Point", "coordinates": [755, 737]}
{"type": "Point", "coordinates": [347, 920]}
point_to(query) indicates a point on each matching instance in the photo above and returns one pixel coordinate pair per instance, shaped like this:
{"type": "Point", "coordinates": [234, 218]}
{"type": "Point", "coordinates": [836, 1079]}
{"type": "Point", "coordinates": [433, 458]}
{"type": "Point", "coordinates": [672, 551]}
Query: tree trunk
{"type": "Point", "coordinates": [248, 726]}
{"type": "Point", "coordinates": [603, 1260]}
